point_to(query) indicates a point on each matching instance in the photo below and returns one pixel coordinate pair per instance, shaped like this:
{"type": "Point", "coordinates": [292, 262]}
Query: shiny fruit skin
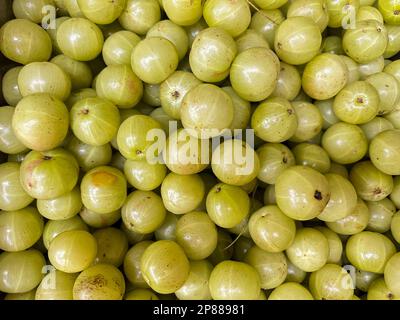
{"type": "Point", "coordinates": [331, 282]}
{"type": "Point", "coordinates": [309, 250]}
{"type": "Point", "coordinates": [9, 143]}
{"type": "Point", "coordinates": [143, 212]}
{"type": "Point", "coordinates": [131, 264]}
{"type": "Point", "coordinates": [74, 36]}
{"type": "Point", "coordinates": [392, 274]}
{"type": "Point", "coordinates": [68, 254]}
{"type": "Point", "coordinates": [384, 150]}
{"type": "Point", "coordinates": [41, 173]}
{"type": "Point", "coordinates": [272, 230]}
{"type": "Point", "coordinates": [12, 196]}
{"type": "Point", "coordinates": [378, 290]}
{"type": "Point", "coordinates": [290, 291]}
{"type": "Point", "coordinates": [254, 73]}
{"type": "Point", "coordinates": [99, 282]}
{"type": "Point", "coordinates": [197, 234]}
{"type": "Point", "coordinates": [143, 175]}
{"type": "Point", "coordinates": [369, 251]}
{"type": "Point", "coordinates": [40, 121]}
{"type": "Point", "coordinates": [165, 266]}
{"type": "Point", "coordinates": [101, 12]}
{"type": "Point", "coordinates": [112, 245]}
{"type": "Point", "coordinates": [103, 189]}
{"type": "Point", "coordinates": [231, 280]}
{"type": "Point", "coordinates": [20, 229]}
{"type": "Point", "coordinates": [118, 47]}
{"type": "Point", "coordinates": [56, 285]}
{"type": "Point", "coordinates": [14, 266]}
{"type": "Point", "coordinates": [227, 205]}
{"type": "Point", "coordinates": [302, 192]}
{"type": "Point", "coordinates": [15, 35]}
{"type": "Point", "coordinates": [183, 13]}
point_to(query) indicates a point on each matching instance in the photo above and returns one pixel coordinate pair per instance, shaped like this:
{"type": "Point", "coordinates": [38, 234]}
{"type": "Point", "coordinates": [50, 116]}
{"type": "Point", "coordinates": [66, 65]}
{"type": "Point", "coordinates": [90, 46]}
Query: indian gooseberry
{"type": "Point", "coordinates": [99, 220]}
{"type": "Point", "coordinates": [393, 46]}
{"type": "Point", "coordinates": [14, 266]}
{"type": "Point", "coordinates": [94, 121]}
{"type": "Point", "coordinates": [79, 95]}
{"type": "Point", "coordinates": [324, 76]}
{"type": "Point", "coordinates": [235, 162]}
{"type": "Point", "coordinates": [381, 215]}
{"type": "Point", "coordinates": [132, 137]}
{"type": "Point", "coordinates": [339, 11]}
{"type": "Point", "coordinates": [176, 157]}
{"type": "Point", "coordinates": [395, 227]}
{"type": "Point", "coordinates": [154, 59]}
{"type": "Point", "coordinates": [16, 41]}
{"type": "Point", "coordinates": [241, 247]}
{"type": "Point", "coordinates": [312, 155]}
{"type": "Point", "coordinates": [309, 250]}
{"type": "Point", "coordinates": [309, 121]}
{"type": "Point", "coordinates": [384, 150]}
{"type": "Point", "coordinates": [271, 267]}
{"type": "Point", "coordinates": [183, 13]}
{"type": "Point", "coordinates": [53, 33]}
{"type": "Point", "coordinates": [109, 284]}
{"type": "Point", "coordinates": [56, 285]}
{"type": "Point", "coordinates": [232, 280]}
{"type": "Point", "coordinates": [139, 16]}
{"type": "Point", "coordinates": [167, 231]}
{"type": "Point", "coordinates": [266, 22]}
{"type": "Point", "coordinates": [270, 4]}
{"type": "Point", "coordinates": [100, 11]}
{"type": "Point", "coordinates": [342, 201]}
{"type": "Point", "coordinates": [174, 89]}
{"type": "Point", "coordinates": [366, 12]}
{"type": "Point", "coordinates": [73, 9]}
{"type": "Point", "coordinates": [297, 40]}
{"type": "Point", "coordinates": [370, 183]}
{"type": "Point", "coordinates": [227, 205]}
{"type": "Point", "coordinates": [392, 274]}
{"type": "Point", "coordinates": [233, 17]}
{"type": "Point", "coordinates": [13, 196]}
{"type": "Point", "coordinates": [242, 110]}
{"type": "Point", "coordinates": [143, 175]}
{"type": "Point", "coordinates": [140, 294]}
{"type": "Point", "coordinates": [364, 279]}
{"type": "Point", "coordinates": [354, 223]}
{"type": "Point", "coordinates": [118, 47]}
{"type": "Point", "coordinates": [331, 282]}
{"type": "Point", "coordinates": [357, 103]}
{"type": "Point", "coordinates": [118, 84]}
{"type": "Point", "coordinates": [164, 266]}
{"type": "Point", "coordinates": [197, 234]}
{"type": "Point", "coordinates": [335, 245]}
{"type": "Point", "coordinates": [254, 73]}
{"type": "Point", "coordinates": [378, 290]}
{"type": "Point", "coordinates": [9, 143]}
{"type": "Point", "coordinates": [369, 251]}
{"type": "Point", "coordinates": [42, 174]}
{"type": "Point", "coordinates": [79, 72]}
{"type": "Point", "coordinates": [220, 44]}
{"type": "Point", "coordinates": [377, 125]}
{"type": "Point", "coordinates": [89, 156]}
{"type": "Point", "coordinates": [388, 90]}
{"type": "Point", "coordinates": [9, 84]}
{"type": "Point", "coordinates": [390, 11]}
{"type": "Point", "coordinates": [353, 69]}
{"type": "Point", "coordinates": [53, 228]}
{"type": "Point", "coordinates": [206, 110]}
{"type": "Point", "coordinates": [314, 9]}
{"type": "Point", "coordinates": [103, 189]}
{"type": "Point", "coordinates": [196, 286]}
{"type": "Point", "coordinates": [63, 207]}
{"type": "Point", "coordinates": [302, 193]}
{"type": "Point", "coordinates": [175, 34]}
{"type": "Point", "coordinates": [67, 254]}
{"type": "Point", "coordinates": [371, 67]}
{"type": "Point", "coordinates": [21, 229]}
{"type": "Point", "coordinates": [274, 120]}
{"type": "Point", "coordinates": [290, 291]}
{"type": "Point", "coordinates": [80, 39]}
{"type": "Point", "coordinates": [366, 42]}
{"type": "Point", "coordinates": [345, 143]}
{"type": "Point", "coordinates": [33, 10]}
{"type": "Point", "coordinates": [274, 159]}
{"type": "Point", "coordinates": [112, 245]}
{"type": "Point", "coordinates": [288, 84]}
{"type": "Point", "coordinates": [182, 193]}
{"type": "Point", "coordinates": [250, 39]}
{"type": "Point", "coordinates": [40, 121]}
{"type": "Point", "coordinates": [131, 264]}
{"type": "Point", "coordinates": [192, 31]}
{"type": "Point", "coordinates": [294, 274]}
{"type": "Point", "coordinates": [143, 212]}
{"type": "Point", "coordinates": [271, 230]}
{"type": "Point", "coordinates": [224, 250]}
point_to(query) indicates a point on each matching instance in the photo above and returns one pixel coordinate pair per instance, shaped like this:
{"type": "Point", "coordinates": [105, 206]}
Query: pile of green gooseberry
{"type": "Point", "coordinates": [89, 211]}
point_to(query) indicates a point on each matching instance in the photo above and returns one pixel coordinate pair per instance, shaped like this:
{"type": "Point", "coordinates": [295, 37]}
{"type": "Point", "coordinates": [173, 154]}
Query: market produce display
{"type": "Point", "coordinates": [200, 149]}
